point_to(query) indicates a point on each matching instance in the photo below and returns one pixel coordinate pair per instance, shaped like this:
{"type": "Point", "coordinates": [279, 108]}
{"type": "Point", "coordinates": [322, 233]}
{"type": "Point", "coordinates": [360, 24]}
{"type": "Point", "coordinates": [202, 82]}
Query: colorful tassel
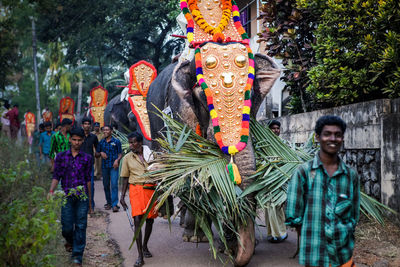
{"type": "Point", "coordinates": [233, 171]}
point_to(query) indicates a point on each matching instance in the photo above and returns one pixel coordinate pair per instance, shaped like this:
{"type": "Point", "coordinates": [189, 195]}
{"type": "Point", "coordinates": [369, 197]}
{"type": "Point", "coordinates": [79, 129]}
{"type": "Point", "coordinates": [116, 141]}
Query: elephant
{"type": "Point", "coordinates": [180, 91]}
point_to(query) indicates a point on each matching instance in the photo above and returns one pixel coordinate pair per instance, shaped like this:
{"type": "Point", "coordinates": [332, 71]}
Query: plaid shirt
{"type": "Point", "coordinates": [73, 171]}
{"type": "Point", "coordinates": [112, 149]}
{"type": "Point", "coordinates": [327, 208]}
{"type": "Point", "coordinates": [58, 144]}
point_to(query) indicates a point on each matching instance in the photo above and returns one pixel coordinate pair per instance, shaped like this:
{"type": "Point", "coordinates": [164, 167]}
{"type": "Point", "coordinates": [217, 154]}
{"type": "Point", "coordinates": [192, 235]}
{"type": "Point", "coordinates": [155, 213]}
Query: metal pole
{"type": "Point", "coordinates": [34, 48]}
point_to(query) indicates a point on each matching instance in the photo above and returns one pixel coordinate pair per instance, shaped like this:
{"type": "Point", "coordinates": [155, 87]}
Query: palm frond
{"type": "Point", "coordinates": [193, 169]}
{"type": "Point", "coordinates": [270, 181]}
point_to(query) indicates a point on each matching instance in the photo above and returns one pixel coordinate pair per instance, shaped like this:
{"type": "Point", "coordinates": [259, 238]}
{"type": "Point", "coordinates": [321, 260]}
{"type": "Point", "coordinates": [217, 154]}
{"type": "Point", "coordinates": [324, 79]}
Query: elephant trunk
{"type": "Point", "coordinates": [245, 161]}
{"type": "Point", "coordinates": [246, 244]}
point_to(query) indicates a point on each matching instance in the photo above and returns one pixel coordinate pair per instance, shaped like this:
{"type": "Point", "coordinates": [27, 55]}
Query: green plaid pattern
{"type": "Point", "coordinates": [58, 144]}
{"type": "Point", "coordinates": [327, 208]}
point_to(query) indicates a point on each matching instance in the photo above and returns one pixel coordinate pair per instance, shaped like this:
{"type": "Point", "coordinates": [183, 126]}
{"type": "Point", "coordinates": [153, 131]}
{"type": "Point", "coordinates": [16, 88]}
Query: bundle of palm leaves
{"type": "Point", "coordinates": [193, 169]}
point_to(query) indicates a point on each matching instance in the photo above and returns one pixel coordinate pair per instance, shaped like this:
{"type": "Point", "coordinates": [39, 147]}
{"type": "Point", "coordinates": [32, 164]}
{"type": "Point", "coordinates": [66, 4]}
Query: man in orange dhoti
{"type": "Point", "coordinates": [134, 165]}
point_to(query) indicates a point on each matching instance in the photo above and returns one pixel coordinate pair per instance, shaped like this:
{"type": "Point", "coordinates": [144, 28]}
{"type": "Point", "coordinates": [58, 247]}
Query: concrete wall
{"type": "Point", "coordinates": [372, 143]}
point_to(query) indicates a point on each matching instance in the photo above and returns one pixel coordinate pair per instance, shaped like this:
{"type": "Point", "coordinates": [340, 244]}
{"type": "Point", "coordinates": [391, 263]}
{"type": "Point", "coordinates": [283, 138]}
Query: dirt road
{"type": "Point", "coordinates": [168, 249]}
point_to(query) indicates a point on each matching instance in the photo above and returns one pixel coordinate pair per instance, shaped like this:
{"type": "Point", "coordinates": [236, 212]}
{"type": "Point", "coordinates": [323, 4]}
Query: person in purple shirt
{"type": "Point", "coordinates": [73, 168]}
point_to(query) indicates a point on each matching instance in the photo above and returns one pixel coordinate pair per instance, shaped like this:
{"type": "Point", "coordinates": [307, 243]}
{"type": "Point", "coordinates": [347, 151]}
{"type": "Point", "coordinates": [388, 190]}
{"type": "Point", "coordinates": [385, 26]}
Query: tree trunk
{"type": "Point", "coordinates": [101, 72]}
{"type": "Point", "coordinates": [80, 84]}
{"type": "Point", "coordinates": [36, 73]}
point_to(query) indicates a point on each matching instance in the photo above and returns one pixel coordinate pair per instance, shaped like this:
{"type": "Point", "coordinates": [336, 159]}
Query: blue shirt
{"type": "Point", "coordinates": [45, 142]}
{"type": "Point", "coordinates": [112, 149]}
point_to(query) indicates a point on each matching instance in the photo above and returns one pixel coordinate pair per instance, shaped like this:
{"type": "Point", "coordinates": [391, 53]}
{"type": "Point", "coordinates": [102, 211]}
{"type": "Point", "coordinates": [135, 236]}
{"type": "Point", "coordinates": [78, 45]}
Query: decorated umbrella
{"type": "Point", "coordinates": [66, 111]}
{"type": "Point", "coordinates": [98, 104]}
{"type": "Point", "coordinates": [141, 75]}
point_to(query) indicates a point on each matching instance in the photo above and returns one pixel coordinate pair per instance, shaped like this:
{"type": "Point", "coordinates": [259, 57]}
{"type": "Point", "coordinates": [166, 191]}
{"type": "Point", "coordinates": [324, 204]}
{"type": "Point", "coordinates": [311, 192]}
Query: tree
{"type": "Point", "coordinates": [357, 50]}
{"type": "Point", "coordinates": [289, 35]}
{"type": "Point", "coordinates": [122, 32]}
{"type": "Point", "coordinates": [335, 52]}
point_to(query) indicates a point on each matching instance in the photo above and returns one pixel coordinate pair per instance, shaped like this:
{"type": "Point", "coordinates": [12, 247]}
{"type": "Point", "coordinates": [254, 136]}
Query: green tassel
{"type": "Point", "coordinates": [233, 172]}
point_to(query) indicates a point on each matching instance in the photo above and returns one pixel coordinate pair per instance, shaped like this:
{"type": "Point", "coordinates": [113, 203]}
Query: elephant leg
{"type": "Point", "coordinates": [191, 233]}
{"type": "Point", "coordinates": [182, 214]}
{"type": "Point", "coordinates": [246, 244]}
{"type": "Point", "coordinates": [162, 212]}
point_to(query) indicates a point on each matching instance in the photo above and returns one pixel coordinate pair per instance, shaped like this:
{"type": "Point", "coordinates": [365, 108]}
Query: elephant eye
{"type": "Point", "coordinates": [211, 62]}
{"type": "Point", "coordinates": [240, 61]}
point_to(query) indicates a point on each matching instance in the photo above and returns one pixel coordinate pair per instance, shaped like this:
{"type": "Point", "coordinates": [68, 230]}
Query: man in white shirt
{"type": "Point", "coordinates": [5, 122]}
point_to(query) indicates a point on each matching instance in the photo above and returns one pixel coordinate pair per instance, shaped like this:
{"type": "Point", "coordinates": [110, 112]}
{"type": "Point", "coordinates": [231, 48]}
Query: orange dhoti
{"type": "Point", "coordinates": [140, 200]}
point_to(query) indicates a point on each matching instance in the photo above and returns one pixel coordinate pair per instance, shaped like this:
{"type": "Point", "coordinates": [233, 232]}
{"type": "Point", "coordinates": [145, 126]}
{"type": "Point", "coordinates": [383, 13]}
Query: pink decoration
{"type": "Point", "coordinates": [215, 122]}
{"type": "Point", "coordinates": [240, 146]}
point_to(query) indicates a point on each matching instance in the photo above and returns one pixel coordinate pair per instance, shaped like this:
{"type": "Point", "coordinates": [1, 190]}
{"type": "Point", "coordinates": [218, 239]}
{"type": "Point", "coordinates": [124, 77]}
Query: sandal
{"type": "Point", "coordinates": [147, 254]}
{"type": "Point", "coordinates": [107, 206]}
{"type": "Point", "coordinates": [139, 263]}
{"type": "Point", "coordinates": [68, 247]}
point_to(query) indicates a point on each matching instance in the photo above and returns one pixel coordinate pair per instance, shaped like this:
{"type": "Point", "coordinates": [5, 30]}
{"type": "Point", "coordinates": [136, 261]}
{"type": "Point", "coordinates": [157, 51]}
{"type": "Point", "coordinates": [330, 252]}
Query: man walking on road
{"type": "Point", "coordinates": [5, 122]}
{"type": "Point", "coordinates": [90, 143]}
{"type": "Point", "coordinates": [324, 201]}
{"type": "Point", "coordinates": [275, 215]}
{"type": "Point", "coordinates": [12, 115]}
{"type": "Point", "coordinates": [60, 140]}
{"type": "Point", "coordinates": [134, 165]}
{"type": "Point", "coordinates": [111, 153]}
{"type": "Point", "coordinates": [73, 168]}
{"type": "Point", "coordinates": [97, 161]}
{"type": "Point", "coordinates": [45, 143]}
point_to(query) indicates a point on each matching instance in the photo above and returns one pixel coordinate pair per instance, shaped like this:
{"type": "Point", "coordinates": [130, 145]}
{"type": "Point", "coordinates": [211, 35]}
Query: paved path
{"type": "Point", "coordinates": [168, 249]}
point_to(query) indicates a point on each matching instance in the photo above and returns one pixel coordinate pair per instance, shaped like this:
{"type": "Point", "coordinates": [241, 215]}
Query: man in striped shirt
{"type": "Point", "coordinates": [60, 140]}
{"type": "Point", "coordinates": [323, 201]}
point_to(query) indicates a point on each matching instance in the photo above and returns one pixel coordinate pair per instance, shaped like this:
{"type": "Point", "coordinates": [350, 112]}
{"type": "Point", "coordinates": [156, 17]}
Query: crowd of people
{"type": "Point", "coordinates": [322, 202]}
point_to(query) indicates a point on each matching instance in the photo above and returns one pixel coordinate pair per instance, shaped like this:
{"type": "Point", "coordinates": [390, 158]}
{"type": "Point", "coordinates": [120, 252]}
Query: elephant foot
{"type": "Point", "coordinates": [245, 248]}
{"type": "Point", "coordinates": [189, 236]}
{"type": "Point", "coordinates": [194, 239]}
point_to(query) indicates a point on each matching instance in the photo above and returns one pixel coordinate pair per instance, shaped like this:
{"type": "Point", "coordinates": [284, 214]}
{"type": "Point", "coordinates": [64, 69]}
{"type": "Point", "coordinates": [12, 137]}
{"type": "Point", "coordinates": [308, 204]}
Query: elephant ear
{"type": "Point", "coordinates": [182, 82]}
{"type": "Point", "coordinates": [267, 71]}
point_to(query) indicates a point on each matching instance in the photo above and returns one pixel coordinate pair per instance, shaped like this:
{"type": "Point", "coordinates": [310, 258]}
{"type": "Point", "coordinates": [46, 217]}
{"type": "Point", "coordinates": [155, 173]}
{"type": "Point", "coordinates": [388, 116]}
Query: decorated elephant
{"type": "Point", "coordinates": [118, 114]}
{"type": "Point", "coordinates": [193, 111]}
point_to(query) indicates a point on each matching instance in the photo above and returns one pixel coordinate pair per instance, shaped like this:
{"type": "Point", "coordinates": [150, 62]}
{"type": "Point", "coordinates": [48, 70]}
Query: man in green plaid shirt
{"type": "Point", "coordinates": [323, 201]}
{"type": "Point", "coordinates": [60, 140]}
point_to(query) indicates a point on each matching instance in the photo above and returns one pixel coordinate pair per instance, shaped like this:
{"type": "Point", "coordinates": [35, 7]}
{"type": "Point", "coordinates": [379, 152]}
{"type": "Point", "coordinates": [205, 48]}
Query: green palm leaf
{"type": "Point", "coordinates": [193, 169]}
{"type": "Point", "coordinates": [270, 181]}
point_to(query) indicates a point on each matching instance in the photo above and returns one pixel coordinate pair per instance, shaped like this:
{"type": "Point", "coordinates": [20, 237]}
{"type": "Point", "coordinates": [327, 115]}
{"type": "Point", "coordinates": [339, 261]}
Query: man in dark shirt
{"type": "Point", "coordinates": [36, 143]}
{"type": "Point", "coordinates": [111, 153]}
{"type": "Point", "coordinates": [12, 115]}
{"type": "Point", "coordinates": [73, 168]}
{"type": "Point", "coordinates": [90, 143]}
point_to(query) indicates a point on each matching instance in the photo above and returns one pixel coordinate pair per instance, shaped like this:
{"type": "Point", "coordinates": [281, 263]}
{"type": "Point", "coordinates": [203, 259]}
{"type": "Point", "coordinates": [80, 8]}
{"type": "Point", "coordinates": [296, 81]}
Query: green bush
{"type": "Point", "coordinates": [28, 221]}
{"type": "Point", "coordinates": [335, 52]}
{"type": "Point", "coordinates": [357, 51]}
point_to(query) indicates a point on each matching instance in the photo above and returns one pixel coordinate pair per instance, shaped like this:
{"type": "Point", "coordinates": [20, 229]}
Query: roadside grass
{"type": "Point", "coordinates": [29, 224]}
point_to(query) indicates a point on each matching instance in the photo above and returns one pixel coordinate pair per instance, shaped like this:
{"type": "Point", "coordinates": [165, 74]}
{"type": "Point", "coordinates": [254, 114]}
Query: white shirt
{"type": "Point", "coordinates": [5, 121]}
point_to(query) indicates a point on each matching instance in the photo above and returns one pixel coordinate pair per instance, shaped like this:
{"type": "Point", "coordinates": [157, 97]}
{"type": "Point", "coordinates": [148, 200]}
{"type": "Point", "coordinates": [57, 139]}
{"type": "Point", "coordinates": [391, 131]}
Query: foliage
{"type": "Point", "coordinates": [277, 161]}
{"type": "Point", "coordinates": [289, 36]}
{"type": "Point", "coordinates": [29, 221]}
{"type": "Point", "coordinates": [357, 50]}
{"type": "Point", "coordinates": [335, 52]}
{"type": "Point", "coordinates": [121, 31]}
{"type": "Point", "coordinates": [194, 169]}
